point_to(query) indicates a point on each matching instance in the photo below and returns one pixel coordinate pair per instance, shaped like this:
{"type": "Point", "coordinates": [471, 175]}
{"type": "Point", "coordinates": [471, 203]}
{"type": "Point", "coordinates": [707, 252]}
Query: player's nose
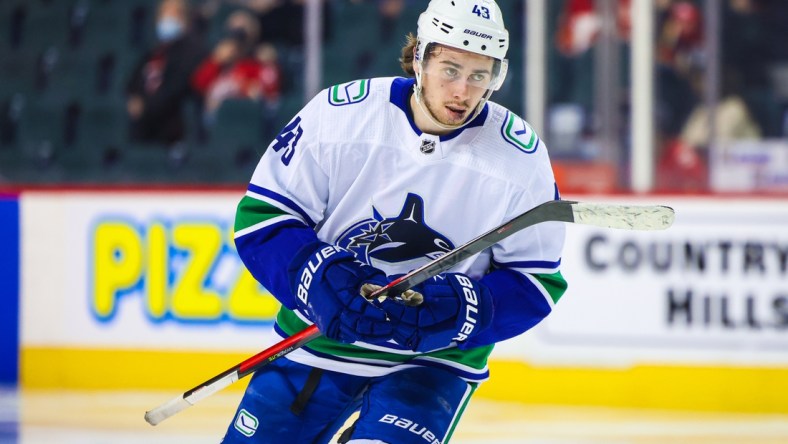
{"type": "Point", "coordinates": [460, 89]}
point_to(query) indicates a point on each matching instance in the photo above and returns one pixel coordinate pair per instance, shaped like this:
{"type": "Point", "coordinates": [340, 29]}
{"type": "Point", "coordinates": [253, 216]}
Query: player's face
{"type": "Point", "coordinates": [453, 83]}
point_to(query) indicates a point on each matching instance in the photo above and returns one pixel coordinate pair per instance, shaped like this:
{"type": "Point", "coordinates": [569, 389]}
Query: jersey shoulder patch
{"type": "Point", "coordinates": [517, 133]}
{"type": "Point", "coordinates": [349, 93]}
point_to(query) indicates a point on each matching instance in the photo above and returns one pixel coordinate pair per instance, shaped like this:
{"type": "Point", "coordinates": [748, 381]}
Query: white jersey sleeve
{"type": "Point", "coordinates": [290, 175]}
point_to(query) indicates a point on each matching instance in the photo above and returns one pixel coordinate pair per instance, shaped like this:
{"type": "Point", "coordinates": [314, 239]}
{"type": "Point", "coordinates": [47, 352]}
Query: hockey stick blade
{"type": "Point", "coordinates": [628, 217]}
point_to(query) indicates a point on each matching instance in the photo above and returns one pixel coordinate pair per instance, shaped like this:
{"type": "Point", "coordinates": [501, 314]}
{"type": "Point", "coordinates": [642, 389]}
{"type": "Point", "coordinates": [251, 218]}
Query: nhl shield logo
{"type": "Point", "coordinates": [427, 146]}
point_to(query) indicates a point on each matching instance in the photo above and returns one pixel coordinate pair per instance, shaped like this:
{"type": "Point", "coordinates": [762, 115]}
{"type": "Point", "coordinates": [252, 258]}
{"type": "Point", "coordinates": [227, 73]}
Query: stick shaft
{"type": "Point", "coordinates": [231, 375]}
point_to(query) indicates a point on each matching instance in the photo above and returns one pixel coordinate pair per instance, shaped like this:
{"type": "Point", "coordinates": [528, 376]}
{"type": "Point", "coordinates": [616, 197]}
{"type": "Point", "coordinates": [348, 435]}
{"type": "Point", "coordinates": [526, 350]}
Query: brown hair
{"type": "Point", "coordinates": [406, 61]}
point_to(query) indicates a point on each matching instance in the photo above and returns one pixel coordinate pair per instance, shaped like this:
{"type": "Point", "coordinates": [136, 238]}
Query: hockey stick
{"type": "Point", "coordinates": [600, 215]}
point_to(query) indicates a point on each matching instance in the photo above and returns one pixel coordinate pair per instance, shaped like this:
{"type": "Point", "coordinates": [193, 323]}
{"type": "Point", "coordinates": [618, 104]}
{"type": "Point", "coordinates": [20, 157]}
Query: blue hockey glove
{"type": "Point", "coordinates": [326, 281]}
{"type": "Point", "coordinates": [455, 308]}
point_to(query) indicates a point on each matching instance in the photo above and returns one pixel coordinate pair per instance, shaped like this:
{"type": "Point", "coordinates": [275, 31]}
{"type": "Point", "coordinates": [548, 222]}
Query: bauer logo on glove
{"type": "Point", "coordinates": [471, 309]}
{"type": "Point", "coordinates": [310, 268]}
{"type": "Point", "coordinates": [327, 282]}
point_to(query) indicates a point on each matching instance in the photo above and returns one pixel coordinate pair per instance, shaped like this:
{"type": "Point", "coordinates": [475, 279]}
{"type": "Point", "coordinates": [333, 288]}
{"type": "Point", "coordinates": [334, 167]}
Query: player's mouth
{"type": "Point", "coordinates": [456, 112]}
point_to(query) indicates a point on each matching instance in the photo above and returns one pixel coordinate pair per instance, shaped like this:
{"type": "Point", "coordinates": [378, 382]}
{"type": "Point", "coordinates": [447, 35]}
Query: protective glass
{"type": "Point", "coordinates": [450, 65]}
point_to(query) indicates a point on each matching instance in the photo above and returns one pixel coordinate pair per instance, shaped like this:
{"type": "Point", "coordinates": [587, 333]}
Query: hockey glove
{"type": "Point", "coordinates": [326, 281]}
{"type": "Point", "coordinates": [455, 308]}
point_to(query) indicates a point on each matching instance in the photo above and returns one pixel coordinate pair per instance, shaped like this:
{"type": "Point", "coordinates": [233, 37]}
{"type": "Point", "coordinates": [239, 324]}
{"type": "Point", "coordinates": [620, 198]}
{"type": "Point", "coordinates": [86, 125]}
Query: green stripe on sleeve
{"type": "Point", "coordinates": [555, 284]}
{"type": "Point", "coordinates": [475, 358]}
{"type": "Point", "coordinates": [252, 211]}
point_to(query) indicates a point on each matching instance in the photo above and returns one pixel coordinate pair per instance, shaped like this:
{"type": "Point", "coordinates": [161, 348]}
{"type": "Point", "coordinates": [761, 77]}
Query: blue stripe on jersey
{"type": "Point", "coordinates": [401, 90]}
{"type": "Point", "coordinates": [282, 200]}
{"type": "Point", "coordinates": [528, 264]}
{"type": "Point", "coordinates": [267, 253]}
{"type": "Point", "coordinates": [400, 96]}
{"type": "Point", "coordinates": [519, 305]}
{"type": "Point", "coordinates": [9, 292]}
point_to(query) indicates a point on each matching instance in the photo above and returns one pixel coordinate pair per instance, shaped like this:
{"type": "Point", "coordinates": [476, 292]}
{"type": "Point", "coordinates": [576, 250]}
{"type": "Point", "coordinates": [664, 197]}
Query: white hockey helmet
{"type": "Point", "coordinates": [471, 25]}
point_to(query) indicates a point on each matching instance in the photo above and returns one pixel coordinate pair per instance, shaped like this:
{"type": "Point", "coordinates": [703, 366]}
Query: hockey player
{"type": "Point", "coordinates": [374, 178]}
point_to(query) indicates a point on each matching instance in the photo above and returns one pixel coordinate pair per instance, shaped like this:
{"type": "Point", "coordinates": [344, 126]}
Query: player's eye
{"type": "Point", "coordinates": [478, 78]}
{"type": "Point", "coordinates": [451, 73]}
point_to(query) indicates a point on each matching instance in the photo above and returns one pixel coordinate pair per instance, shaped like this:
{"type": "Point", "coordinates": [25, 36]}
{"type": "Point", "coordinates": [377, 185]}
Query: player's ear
{"type": "Point", "coordinates": [416, 64]}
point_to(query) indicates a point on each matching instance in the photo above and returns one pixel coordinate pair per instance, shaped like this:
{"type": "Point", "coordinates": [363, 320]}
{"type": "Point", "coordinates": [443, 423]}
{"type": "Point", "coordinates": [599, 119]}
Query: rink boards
{"type": "Point", "coordinates": [144, 289]}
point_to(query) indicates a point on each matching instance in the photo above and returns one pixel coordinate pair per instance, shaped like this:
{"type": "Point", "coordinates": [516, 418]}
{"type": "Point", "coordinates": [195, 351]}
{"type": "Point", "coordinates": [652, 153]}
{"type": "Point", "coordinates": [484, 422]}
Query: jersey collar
{"type": "Point", "coordinates": [401, 90]}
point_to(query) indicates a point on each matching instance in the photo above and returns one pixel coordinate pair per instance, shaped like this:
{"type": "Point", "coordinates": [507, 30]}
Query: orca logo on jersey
{"type": "Point", "coordinates": [396, 240]}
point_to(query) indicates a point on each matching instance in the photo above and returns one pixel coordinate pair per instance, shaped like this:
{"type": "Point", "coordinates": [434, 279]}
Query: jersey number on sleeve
{"type": "Point", "coordinates": [288, 139]}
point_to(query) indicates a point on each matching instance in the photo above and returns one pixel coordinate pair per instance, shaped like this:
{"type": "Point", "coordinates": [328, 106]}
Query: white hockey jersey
{"type": "Point", "coordinates": [353, 165]}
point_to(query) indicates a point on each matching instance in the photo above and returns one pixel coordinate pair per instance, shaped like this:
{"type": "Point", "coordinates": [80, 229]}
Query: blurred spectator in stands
{"type": "Point", "coordinates": [777, 17]}
{"type": "Point", "coordinates": [390, 12]}
{"type": "Point", "coordinates": [159, 85]}
{"type": "Point", "coordinates": [281, 21]}
{"type": "Point", "coordinates": [751, 44]}
{"type": "Point", "coordinates": [239, 68]}
{"type": "Point", "coordinates": [680, 36]}
{"type": "Point", "coordinates": [746, 40]}
{"type": "Point", "coordinates": [684, 159]}
{"type": "Point", "coordinates": [580, 24]}
{"type": "Point", "coordinates": [732, 118]}
{"type": "Point", "coordinates": [571, 86]}
{"type": "Point", "coordinates": [578, 27]}
{"type": "Point", "coordinates": [624, 19]}
{"type": "Point", "coordinates": [679, 69]}
{"type": "Point", "coordinates": [282, 24]}
{"type": "Point", "coordinates": [679, 48]}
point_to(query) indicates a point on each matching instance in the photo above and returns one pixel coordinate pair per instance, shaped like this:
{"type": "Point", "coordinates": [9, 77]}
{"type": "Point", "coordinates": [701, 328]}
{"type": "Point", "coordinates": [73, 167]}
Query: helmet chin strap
{"type": "Point", "coordinates": [431, 117]}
